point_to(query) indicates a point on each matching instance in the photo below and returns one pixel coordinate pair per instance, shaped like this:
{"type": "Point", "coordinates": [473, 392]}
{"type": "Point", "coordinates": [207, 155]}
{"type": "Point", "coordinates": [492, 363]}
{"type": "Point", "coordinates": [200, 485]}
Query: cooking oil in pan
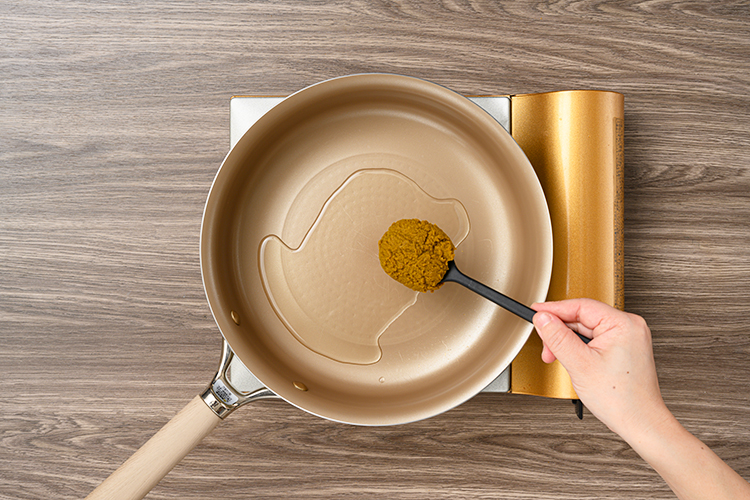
{"type": "Point", "coordinates": [330, 291]}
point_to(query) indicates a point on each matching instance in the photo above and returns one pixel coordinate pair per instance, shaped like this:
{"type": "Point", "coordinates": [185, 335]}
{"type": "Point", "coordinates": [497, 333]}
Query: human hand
{"type": "Point", "coordinates": [614, 375]}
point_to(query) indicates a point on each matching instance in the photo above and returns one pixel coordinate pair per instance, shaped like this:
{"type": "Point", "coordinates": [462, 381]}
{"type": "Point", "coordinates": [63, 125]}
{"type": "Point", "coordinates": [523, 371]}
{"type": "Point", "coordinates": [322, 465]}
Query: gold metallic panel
{"type": "Point", "coordinates": [574, 140]}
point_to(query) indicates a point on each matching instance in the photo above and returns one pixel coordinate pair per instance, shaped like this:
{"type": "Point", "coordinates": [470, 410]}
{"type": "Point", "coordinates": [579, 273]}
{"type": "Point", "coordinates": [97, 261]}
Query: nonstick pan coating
{"type": "Point", "coordinates": [447, 346]}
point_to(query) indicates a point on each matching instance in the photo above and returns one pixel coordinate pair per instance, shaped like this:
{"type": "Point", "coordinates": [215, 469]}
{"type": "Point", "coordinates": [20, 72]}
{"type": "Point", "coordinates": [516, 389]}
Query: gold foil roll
{"type": "Point", "coordinates": [574, 140]}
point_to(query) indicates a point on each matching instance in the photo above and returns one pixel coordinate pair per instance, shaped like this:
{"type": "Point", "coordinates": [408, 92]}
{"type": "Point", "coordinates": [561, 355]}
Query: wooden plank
{"type": "Point", "coordinates": [114, 119]}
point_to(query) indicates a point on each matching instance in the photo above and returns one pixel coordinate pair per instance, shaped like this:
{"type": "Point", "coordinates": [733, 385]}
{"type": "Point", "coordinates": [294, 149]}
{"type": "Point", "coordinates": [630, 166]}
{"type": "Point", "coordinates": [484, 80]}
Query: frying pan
{"type": "Point", "coordinates": [289, 234]}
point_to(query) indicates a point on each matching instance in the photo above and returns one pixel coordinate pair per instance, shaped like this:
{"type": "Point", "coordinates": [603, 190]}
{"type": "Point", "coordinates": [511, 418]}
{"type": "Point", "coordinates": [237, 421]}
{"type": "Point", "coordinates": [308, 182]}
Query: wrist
{"type": "Point", "coordinates": [685, 463]}
{"type": "Point", "coordinates": [645, 430]}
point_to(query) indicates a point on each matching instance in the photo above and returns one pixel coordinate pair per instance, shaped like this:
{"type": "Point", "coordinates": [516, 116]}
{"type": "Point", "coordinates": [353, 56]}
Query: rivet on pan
{"type": "Point", "coordinates": [299, 385]}
{"type": "Point", "coordinates": [235, 317]}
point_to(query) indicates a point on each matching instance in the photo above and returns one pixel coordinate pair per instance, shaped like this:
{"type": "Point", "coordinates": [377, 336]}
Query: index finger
{"type": "Point", "coordinates": [587, 313]}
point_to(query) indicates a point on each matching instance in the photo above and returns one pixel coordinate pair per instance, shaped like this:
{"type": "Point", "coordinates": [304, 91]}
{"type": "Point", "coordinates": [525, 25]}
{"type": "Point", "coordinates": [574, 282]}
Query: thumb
{"type": "Point", "coordinates": [560, 340]}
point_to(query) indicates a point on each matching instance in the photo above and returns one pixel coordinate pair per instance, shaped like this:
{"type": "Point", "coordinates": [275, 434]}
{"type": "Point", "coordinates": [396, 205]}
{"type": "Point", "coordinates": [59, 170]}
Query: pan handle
{"type": "Point", "coordinates": [141, 472]}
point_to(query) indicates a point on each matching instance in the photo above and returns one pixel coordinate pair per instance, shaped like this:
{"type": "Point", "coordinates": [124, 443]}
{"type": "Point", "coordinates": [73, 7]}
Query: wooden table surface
{"type": "Point", "coordinates": [113, 121]}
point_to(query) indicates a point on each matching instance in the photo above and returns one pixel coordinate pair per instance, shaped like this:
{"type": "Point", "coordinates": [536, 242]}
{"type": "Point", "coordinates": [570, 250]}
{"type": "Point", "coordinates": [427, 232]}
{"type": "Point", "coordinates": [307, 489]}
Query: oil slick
{"type": "Point", "coordinates": [331, 292]}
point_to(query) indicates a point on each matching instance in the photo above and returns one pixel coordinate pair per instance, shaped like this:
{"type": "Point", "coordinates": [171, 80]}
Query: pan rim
{"type": "Point", "coordinates": [547, 265]}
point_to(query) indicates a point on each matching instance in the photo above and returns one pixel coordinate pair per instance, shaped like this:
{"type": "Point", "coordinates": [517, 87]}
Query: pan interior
{"type": "Point", "coordinates": [275, 185]}
{"type": "Point", "coordinates": [330, 291]}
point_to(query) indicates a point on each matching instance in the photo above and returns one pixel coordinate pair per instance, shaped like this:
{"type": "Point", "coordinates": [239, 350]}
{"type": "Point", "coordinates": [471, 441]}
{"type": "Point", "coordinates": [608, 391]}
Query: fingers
{"type": "Point", "coordinates": [547, 355]}
{"type": "Point", "coordinates": [559, 341]}
{"type": "Point", "coordinates": [586, 311]}
{"type": "Point", "coordinates": [582, 315]}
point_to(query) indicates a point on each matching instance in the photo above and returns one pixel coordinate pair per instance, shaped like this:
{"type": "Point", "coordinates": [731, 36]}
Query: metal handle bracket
{"type": "Point", "coordinates": [222, 396]}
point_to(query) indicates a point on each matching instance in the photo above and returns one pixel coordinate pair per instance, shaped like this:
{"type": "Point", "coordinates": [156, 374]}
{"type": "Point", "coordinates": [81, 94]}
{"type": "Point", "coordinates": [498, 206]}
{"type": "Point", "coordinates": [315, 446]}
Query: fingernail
{"type": "Point", "coordinates": [541, 319]}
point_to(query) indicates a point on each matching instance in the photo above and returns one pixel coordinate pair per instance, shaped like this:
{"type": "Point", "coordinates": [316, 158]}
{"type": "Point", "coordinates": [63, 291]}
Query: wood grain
{"type": "Point", "coordinates": [113, 121]}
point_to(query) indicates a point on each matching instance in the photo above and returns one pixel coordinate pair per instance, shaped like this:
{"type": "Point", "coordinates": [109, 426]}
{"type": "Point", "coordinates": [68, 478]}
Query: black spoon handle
{"type": "Point", "coordinates": [498, 298]}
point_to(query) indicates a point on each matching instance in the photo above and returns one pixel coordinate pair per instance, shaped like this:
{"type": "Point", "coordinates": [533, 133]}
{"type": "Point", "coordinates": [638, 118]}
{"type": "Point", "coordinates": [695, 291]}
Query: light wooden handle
{"type": "Point", "coordinates": [141, 472]}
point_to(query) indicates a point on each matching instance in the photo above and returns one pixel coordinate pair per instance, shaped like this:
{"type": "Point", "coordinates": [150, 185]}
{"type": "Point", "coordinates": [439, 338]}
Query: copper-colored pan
{"type": "Point", "coordinates": [289, 232]}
